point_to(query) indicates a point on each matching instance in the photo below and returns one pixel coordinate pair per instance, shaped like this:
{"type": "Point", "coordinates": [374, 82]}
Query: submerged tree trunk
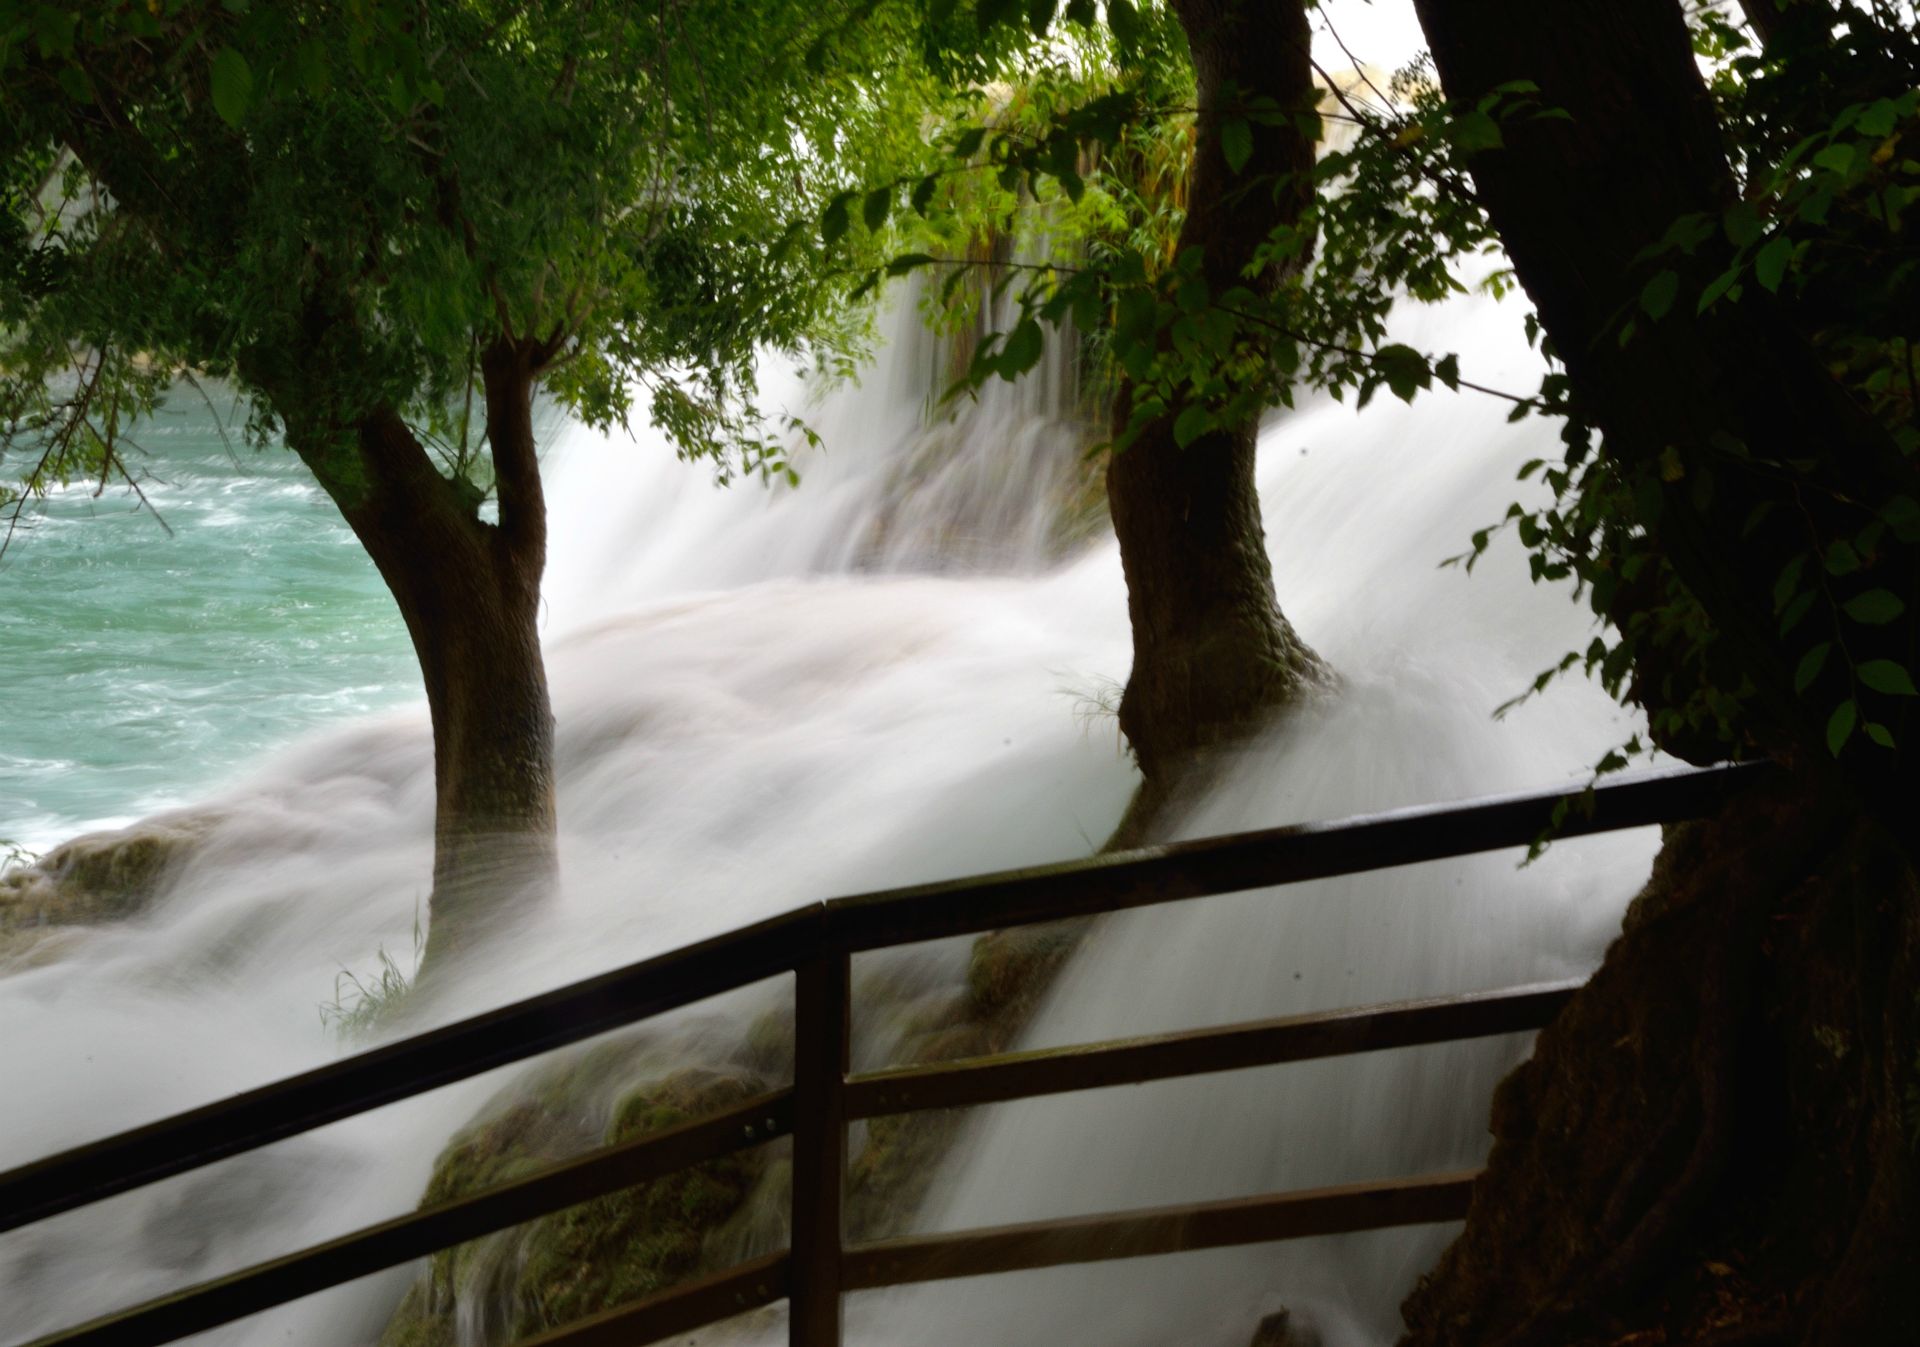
{"type": "Point", "coordinates": [469, 592]}
{"type": "Point", "coordinates": [1212, 653]}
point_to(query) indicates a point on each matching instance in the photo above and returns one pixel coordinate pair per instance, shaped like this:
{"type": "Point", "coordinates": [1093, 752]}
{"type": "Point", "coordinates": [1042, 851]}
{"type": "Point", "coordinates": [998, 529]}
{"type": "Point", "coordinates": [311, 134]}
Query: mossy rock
{"type": "Point", "coordinates": [606, 1252]}
{"type": "Point", "coordinates": [635, 1243]}
{"type": "Point", "coordinates": [1010, 969]}
{"type": "Point", "coordinates": [97, 878]}
{"type": "Point", "coordinates": [1007, 973]}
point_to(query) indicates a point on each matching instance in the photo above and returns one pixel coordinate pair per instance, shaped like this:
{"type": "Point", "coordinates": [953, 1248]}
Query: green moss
{"type": "Point", "coordinates": [1010, 969]}
{"type": "Point", "coordinates": [101, 877]}
{"type": "Point", "coordinates": [637, 1242]}
{"type": "Point", "coordinates": [1007, 973]}
{"type": "Point", "coordinates": [601, 1253]}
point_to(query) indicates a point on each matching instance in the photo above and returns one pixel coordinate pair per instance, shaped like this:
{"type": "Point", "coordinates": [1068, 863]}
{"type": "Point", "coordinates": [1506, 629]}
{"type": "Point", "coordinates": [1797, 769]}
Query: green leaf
{"type": "Point", "coordinates": [1902, 514]}
{"type": "Point", "coordinates": [1875, 608]}
{"type": "Point", "coordinates": [1447, 370]}
{"type": "Point", "coordinates": [968, 142]}
{"type": "Point", "coordinates": [835, 219]}
{"type": "Point", "coordinates": [1879, 733]}
{"type": "Point", "coordinates": [1842, 559]}
{"type": "Point", "coordinates": [53, 29]}
{"type": "Point", "coordinates": [1810, 666]}
{"type": "Point", "coordinates": [311, 61]}
{"type": "Point", "coordinates": [906, 262]}
{"type": "Point", "coordinates": [1039, 16]}
{"type": "Point", "coordinates": [992, 13]}
{"type": "Point", "coordinates": [873, 211]}
{"type": "Point", "coordinates": [1837, 158]}
{"type": "Point", "coordinates": [1191, 424]}
{"type": "Point", "coordinates": [1742, 223]}
{"type": "Point", "coordinates": [1022, 351]}
{"type": "Point", "coordinates": [1840, 726]}
{"type": "Point", "coordinates": [1770, 267]}
{"type": "Point", "coordinates": [1787, 583]}
{"type": "Point", "coordinates": [74, 83]}
{"type": "Point", "coordinates": [923, 194]}
{"type": "Point", "coordinates": [1405, 370]}
{"type": "Point", "coordinates": [1477, 131]}
{"type": "Point", "coordinates": [1878, 119]}
{"type": "Point", "coordinates": [1883, 675]}
{"type": "Point", "coordinates": [1717, 287]}
{"type": "Point", "coordinates": [1236, 142]}
{"type": "Point", "coordinates": [1795, 612]}
{"type": "Point", "coordinates": [232, 85]}
{"type": "Point", "coordinates": [1656, 296]}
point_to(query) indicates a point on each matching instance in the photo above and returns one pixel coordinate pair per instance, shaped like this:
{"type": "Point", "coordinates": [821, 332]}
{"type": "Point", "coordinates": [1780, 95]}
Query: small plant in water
{"type": "Point", "coordinates": [360, 1005]}
{"type": "Point", "coordinates": [1095, 702]}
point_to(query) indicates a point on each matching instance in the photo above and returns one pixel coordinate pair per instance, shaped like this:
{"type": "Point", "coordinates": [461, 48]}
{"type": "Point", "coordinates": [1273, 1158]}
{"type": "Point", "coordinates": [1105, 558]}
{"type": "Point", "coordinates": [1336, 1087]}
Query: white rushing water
{"type": "Point", "coordinates": [769, 697]}
{"type": "Point", "coordinates": [766, 697]}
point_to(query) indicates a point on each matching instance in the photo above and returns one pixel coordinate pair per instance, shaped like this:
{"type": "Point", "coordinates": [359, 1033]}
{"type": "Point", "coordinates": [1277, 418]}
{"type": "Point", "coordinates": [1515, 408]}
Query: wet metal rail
{"type": "Point", "coordinates": [816, 943]}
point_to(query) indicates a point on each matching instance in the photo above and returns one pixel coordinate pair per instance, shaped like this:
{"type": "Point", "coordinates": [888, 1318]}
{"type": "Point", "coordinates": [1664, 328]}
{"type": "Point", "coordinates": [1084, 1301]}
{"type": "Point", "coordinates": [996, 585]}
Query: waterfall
{"type": "Point", "coordinates": [893, 673]}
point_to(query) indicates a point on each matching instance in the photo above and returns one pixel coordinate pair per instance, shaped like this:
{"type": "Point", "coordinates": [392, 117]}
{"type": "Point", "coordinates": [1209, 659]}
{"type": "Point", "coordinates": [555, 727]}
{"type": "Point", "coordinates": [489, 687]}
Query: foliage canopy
{"type": "Point", "coordinates": [338, 205]}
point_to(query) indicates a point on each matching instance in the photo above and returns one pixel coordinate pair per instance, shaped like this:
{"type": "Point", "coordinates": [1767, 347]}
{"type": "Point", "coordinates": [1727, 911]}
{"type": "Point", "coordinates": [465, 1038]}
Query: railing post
{"type": "Point", "coordinates": [822, 1023]}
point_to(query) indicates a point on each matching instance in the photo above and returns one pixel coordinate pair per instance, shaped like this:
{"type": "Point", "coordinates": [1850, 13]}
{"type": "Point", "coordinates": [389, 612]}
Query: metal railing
{"type": "Point", "coordinates": [817, 943]}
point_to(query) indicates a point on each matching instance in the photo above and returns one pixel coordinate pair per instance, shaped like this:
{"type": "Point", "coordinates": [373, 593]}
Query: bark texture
{"type": "Point", "coordinates": [1212, 653]}
{"type": "Point", "coordinates": [1575, 202]}
{"type": "Point", "coordinates": [1715, 1142]}
{"type": "Point", "coordinates": [469, 592]}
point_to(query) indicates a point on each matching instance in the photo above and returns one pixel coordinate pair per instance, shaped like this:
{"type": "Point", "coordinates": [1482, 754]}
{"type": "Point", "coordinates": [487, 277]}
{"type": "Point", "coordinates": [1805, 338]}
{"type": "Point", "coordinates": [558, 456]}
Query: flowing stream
{"type": "Point", "coordinates": [895, 672]}
{"type": "Point", "coordinates": [889, 674]}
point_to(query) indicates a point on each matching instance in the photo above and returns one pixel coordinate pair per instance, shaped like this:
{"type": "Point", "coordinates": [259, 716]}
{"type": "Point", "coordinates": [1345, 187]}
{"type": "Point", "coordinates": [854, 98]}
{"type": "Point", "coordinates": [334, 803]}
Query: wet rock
{"type": "Point", "coordinates": [1282, 1329]}
{"type": "Point", "coordinates": [604, 1253]}
{"type": "Point", "coordinates": [613, 1249]}
{"type": "Point", "coordinates": [98, 878]}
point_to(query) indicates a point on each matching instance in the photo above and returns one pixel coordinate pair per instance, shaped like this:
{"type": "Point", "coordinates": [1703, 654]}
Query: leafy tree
{"type": "Point", "coordinates": [388, 225]}
{"type": "Point", "coordinates": [1723, 278]}
{"type": "Point", "coordinates": [1725, 271]}
{"type": "Point", "coordinates": [1146, 160]}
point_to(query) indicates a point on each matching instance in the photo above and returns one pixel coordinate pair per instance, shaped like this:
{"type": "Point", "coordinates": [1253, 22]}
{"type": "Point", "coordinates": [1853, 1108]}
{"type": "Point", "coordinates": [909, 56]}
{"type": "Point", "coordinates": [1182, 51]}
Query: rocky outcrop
{"type": "Point", "coordinates": [616, 1248]}
{"type": "Point", "coordinates": [645, 1239]}
{"type": "Point", "coordinates": [99, 878]}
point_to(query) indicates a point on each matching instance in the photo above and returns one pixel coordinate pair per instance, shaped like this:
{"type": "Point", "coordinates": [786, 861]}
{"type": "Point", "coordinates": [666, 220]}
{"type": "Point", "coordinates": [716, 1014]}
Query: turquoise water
{"type": "Point", "coordinates": [142, 668]}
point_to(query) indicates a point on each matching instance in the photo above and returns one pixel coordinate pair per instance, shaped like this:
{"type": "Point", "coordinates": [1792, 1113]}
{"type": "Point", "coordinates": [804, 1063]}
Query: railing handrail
{"type": "Point", "coordinates": [835, 928]}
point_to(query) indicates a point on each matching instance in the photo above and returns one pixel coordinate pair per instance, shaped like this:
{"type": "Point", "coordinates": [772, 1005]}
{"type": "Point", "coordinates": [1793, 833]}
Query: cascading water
{"type": "Point", "coordinates": [1357, 511]}
{"type": "Point", "coordinates": [769, 696]}
{"type": "Point", "coordinates": [752, 712]}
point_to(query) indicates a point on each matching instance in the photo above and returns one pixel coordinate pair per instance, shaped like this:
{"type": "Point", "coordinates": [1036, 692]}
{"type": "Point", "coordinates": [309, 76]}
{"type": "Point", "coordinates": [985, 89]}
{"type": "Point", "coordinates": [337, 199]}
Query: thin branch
{"type": "Point", "coordinates": [1358, 69]}
{"type": "Point", "coordinates": [1371, 356]}
{"type": "Point", "coordinates": [219, 425]}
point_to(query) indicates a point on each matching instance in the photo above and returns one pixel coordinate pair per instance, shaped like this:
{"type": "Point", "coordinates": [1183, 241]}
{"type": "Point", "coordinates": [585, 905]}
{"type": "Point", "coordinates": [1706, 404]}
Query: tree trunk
{"type": "Point", "coordinates": [469, 592]}
{"type": "Point", "coordinates": [1714, 1142]}
{"type": "Point", "coordinates": [1575, 202]}
{"type": "Point", "coordinates": [1212, 653]}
